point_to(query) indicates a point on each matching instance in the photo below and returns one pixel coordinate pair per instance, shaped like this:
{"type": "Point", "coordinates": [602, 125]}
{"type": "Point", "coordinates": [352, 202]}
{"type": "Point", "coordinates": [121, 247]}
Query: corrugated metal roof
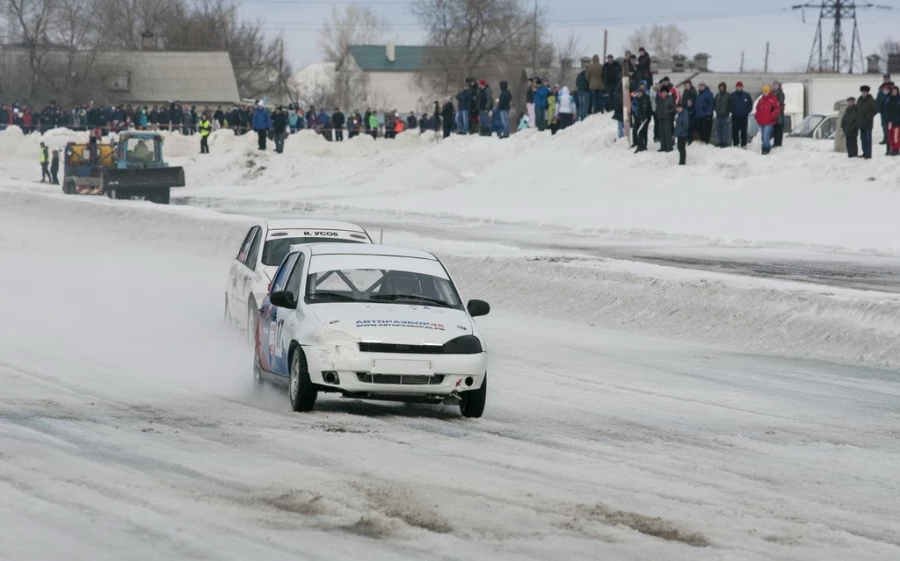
{"type": "Point", "coordinates": [161, 76]}
{"type": "Point", "coordinates": [373, 58]}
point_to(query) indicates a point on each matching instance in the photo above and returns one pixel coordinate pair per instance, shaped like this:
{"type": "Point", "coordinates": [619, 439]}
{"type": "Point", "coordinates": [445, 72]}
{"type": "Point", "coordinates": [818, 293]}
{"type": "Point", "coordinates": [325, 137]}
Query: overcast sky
{"type": "Point", "coordinates": [722, 28]}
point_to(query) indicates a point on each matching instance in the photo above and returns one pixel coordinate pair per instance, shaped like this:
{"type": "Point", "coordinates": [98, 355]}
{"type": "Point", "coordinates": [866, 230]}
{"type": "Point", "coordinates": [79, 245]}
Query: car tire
{"type": "Point", "coordinates": [252, 321]}
{"type": "Point", "coordinates": [301, 390]}
{"type": "Point", "coordinates": [471, 403]}
{"type": "Point", "coordinates": [259, 383]}
{"type": "Point", "coordinates": [69, 187]}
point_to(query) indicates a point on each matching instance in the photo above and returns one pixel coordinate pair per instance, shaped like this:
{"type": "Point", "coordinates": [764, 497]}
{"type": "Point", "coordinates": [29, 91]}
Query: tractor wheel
{"type": "Point", "coordinates": [68, 187]}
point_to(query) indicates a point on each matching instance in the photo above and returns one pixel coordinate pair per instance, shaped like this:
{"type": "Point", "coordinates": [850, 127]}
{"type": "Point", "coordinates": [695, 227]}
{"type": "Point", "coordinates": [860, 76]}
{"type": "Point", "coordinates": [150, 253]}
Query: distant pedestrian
{"type": "Point", "coordinates": [892, 112]}
{"type": "Point", "coordinates": [594, 75]}
{"type": "Point", "coordinates": [45, 162]}
{"type": "Point", "coordinates": [530, 87]}
{"type": "Point", "coordinates": [262, 123]}
{"type": "Point", "coordinates": [767, 110]}
{"type": "Point", "coordinates": [279, 128]}
{"type": "Point", "coordinates": [641, 109]}
{"type": "Point", "coordinates": [54, 167]}
{"type": "Point", "coordinates": [541, 105]}
{"type": "Point", "coordinates": [337, 120]}
{"type": "Point", "coordinates": [723, 114]}
{"type": "Point", "coordinates": [778, 130]}
{"type": "Point", "coordinates": [682, 130]}
{"type": "Point", "coordinates": [665, 115]}
{"type": "Point", "coordinates": [850, 126]}
{"type": "Point", "coordinates": [485, 106]}
{"type": "Point", "coordinates": [741, 107]}
{"type": "Point", "coordinates": [205, 128]}
{"type": "Point", "coordinates": [583, 91]}
{"type": "Point", "coordinates": [865, 114]}
{"type": "Point", "coordinates": [504, 103]}
{"type": "Point", "coordinates": [448, 113]}
{"type": "Point", "coordinates": [883, 92]}
{"type": "Point", "coordinates": [706, 105]}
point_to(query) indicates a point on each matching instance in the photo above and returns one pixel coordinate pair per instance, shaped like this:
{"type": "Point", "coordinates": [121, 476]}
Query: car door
{"type": "Point", "coordinates": [234, 273]}
{"type": "Point", "coordinates": [245, 273]}
{"type": "Point", "coordinates": [288, 320]}
{"type": "Point", "coordinates": [271, 321]}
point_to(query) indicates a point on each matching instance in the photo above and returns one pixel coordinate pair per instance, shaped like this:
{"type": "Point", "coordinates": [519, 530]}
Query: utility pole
{"type": "Point", "coordinates": [605, 36]}
{"type": "Point", "coordinates": [766, 67]}
{"type": "Point", "coordinates": [742, 62]}
{"type": "Point", "coordinates": [837, 11]}
{"type": "Point", "coordinates": [535, 43]}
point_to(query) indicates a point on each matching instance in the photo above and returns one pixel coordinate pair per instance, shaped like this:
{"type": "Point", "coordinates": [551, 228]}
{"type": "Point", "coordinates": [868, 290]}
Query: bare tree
{"type": "Point", "coordinates": [125, 21]}
{"type": "Point", "coordinates": [490, 38]}
{"type": "Point", "coordinates": [32, 21]}
{"type": "Point", "coordinates": [888, 47]}
{"type": "Point", "coordinates": [353, 25]}
{"type": "Point", "coordinates": [661, 41]}
{"type": "Point", "coordinates": [76, 29]}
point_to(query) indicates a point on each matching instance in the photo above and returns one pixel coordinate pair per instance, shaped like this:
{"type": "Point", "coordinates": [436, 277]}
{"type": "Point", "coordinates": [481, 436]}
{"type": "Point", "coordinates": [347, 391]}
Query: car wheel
{"type": "Point", "coordinates": [252, 318]}
{"type": "Point", "coordinates": [472, 402]}
{"type": "Point", "coordinates": [259, 383]}
{"type": "Point", "coordinates": [301, 390]}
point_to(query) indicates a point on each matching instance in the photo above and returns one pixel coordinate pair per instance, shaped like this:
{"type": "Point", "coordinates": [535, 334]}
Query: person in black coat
{"type": "Point", "coordinates": [665, 115]}
{"type": "Point", "coordinates": [850, 126]}
{"type": "Point", "coordinates": [279, 127]}
{"type": "Point", "coordinates": [337, 120]}
{"type": "Point", "coordinates": [890, 112]}
{"type": "Point", "coordinates": [503, 106]}
{"type": "Point", "coordinates": [447, 115]}
{"type": "Point", "coordinates": [643, 110]}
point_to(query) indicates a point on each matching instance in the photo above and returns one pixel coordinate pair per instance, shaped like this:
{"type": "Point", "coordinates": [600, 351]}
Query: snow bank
{"type": "Point", "coordinates": [581, 179]}
{"type": "Point", "coordinates": [744, 313]}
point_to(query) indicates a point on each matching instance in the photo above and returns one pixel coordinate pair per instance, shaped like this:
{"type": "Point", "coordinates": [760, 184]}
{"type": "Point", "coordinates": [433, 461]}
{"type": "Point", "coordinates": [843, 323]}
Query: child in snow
{"type": "Point", "coordinates": [524, 123]}
{"type": "Point", "coordinates": [682, 130]}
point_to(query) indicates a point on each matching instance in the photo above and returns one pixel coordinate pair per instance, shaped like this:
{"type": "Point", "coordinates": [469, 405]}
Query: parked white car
{"type": "Point", "coordinates": [370, 322]}
{"type": "Point", "coordinates": [263, 250]}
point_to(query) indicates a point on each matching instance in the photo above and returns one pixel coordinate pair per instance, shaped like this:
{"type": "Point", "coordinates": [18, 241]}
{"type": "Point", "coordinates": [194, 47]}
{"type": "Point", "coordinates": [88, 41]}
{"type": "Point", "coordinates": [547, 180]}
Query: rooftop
{"type": "Point", "coordinates": [376, 58]}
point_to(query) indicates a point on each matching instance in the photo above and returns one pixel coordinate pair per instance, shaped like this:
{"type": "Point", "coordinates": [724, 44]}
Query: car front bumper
{"type": "Point", "coordinates": [393, 373]}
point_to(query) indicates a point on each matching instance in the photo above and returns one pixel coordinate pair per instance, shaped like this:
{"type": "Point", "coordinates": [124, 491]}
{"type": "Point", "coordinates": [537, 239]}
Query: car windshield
{"type": "Point", "coordinates": [808, 125]}
{"type": "Point", "coordinates": [277, 249]}
{"type": "Point", "coordinates": [381, 286]}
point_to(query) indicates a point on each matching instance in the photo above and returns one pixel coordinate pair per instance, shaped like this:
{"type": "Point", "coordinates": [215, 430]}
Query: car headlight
{"type": "Point", "coordinates": [465, 345]}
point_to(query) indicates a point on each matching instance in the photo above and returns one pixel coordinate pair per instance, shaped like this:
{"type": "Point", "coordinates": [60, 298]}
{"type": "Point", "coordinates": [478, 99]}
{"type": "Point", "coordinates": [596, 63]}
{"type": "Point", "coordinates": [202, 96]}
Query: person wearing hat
{"type": "Point", "coordinates": [54, 167]}
{"type": "Point", "coordinates": [665, 115]}
{"type": "Point", "coordinates": [706, 104]}
{"type": "Point", "coordinates": [262, 122]}
{"type": "Point", "coordinates": [45, 161]}
{"type": "Point", "coordinates": [682, 131]}
{"type": "Point", "coordinates": [865, 115]}
{"type": "Point", "coordinates": [741, 107]}
{"type": "Point", "coordinates": [204, 127]}
{"type": "Point", "coordinates": [612, 74]}
{"type": "Point", "coordinates": [767, 110]}
{"type": "Point", "coordinates": [485, 106]}
{"type": "Point", "coordinates": [723, 114]}
{"type": "Point", "coordinates": [850, 126]}
{"type": "Point", "coordinates": [641, 110]}
{"type": "Point", "coordinates": [883, 92]}
{"type": "Point", "coordinates": [541, 104]}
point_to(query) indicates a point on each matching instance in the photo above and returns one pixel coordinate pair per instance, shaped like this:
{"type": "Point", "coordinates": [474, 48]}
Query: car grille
{"type": "Point", "coordinates": [400, 380]}
{"type": "Point", "coordinates": [401, 349]}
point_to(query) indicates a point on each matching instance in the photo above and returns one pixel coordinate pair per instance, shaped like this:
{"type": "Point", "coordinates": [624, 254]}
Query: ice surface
{"type": "Point", "coordinates": [128, 427]}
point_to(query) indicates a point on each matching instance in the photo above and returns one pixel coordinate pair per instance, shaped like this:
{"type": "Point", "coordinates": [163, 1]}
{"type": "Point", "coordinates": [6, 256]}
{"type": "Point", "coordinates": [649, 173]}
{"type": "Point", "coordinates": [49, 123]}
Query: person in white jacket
{"type": "Point", "coordinates": [565, 106]}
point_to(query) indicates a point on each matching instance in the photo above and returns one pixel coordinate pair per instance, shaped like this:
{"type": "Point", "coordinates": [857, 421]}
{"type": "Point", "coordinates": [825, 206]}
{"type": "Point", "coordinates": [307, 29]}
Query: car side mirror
{"type": "Point", "coordinates": [478, 308]}
{"type": "Point", "coordinates": [283, 299]}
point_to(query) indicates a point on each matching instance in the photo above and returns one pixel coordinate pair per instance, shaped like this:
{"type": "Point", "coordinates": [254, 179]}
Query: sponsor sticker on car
{"type": "Point", "coordinates": [399, 323]}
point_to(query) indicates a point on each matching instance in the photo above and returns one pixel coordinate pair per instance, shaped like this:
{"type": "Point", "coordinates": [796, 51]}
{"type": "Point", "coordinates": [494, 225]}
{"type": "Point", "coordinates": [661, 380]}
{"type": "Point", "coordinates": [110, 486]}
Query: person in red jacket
{"type": "Point", "coordinates": [767, 110]}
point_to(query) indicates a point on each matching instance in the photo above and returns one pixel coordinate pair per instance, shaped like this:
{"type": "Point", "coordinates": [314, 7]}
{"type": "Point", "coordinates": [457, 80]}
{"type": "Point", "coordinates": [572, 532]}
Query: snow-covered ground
{"type": "Point", "coordinates": [128, 426]}
{"type": "Point", "coordinates": [636, 411]}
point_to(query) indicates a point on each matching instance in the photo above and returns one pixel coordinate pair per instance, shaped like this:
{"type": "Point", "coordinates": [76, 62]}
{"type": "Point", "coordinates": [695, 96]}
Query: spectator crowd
{"type": "Point", "coordinates": [677, 114]}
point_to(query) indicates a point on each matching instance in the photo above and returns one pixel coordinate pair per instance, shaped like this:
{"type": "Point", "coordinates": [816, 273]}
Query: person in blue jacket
{"type": "Point", "coordinates": [262, 122]}
{"type": "Point", "coordinates": [741, 107]}
{"type": "Point", "coordinates": [541, 105]}
{"type": "Point", "coordinates": [705, 105]}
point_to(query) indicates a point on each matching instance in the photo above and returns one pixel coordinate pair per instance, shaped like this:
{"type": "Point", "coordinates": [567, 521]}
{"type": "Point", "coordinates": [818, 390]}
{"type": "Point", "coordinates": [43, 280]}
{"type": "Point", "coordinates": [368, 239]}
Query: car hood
{"type": "Point", "coordinates": [394, 323]}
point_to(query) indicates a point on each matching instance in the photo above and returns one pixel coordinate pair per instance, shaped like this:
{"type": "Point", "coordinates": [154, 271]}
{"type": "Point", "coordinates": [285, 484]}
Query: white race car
{"type": "Point", "coordinates": [370, 322]}
{"type": "Point", "coordinates": [262, 251]}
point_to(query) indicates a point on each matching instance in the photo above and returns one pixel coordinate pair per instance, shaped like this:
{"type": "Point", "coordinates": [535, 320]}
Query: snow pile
{"type": "Point", "coordinates": [751, 314]}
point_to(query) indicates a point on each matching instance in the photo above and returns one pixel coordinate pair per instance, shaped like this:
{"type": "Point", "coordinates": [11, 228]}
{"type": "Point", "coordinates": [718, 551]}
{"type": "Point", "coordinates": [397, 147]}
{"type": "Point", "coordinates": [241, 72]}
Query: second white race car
{"type": "Point", "coordinates": [370, 322]}
{"type": "Point", "coordinates": [262, 251]}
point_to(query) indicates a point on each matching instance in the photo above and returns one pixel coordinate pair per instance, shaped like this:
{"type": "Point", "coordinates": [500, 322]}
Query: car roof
{"type": "Point", "coordinates": [337, 248]}
{"type": "Point", "coordinates": [307, 224]}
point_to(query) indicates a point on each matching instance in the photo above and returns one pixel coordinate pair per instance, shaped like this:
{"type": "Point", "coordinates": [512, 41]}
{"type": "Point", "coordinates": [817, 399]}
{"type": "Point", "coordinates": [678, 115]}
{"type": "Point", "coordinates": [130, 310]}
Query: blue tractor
{"type": "Point", "coordinates": [132, 168]}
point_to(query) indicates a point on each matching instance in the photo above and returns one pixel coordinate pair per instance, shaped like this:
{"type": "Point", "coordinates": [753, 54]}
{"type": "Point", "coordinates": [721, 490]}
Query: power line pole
{"type": "Point", "coordinates": [838, 11]}
{"type": "Point", "coordinates": [535, 44]}
{"type": "Point", "coordinates": [766, 66]}
{"type": "Point", "coordinates": [742, 62]}
{"type": "Point", "coordinates": [605, 35]}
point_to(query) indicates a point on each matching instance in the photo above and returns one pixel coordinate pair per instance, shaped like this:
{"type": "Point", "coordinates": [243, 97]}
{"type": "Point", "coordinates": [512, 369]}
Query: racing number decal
{"type": "Point", "coordinates": [278, 337]}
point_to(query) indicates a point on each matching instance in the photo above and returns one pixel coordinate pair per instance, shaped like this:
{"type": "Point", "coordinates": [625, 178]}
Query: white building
{"type": "Point", "coordinates": [390, 77]}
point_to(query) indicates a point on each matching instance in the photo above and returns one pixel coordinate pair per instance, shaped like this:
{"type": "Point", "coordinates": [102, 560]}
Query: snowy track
{"type": "Point", "coordinates": [138, 435]}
